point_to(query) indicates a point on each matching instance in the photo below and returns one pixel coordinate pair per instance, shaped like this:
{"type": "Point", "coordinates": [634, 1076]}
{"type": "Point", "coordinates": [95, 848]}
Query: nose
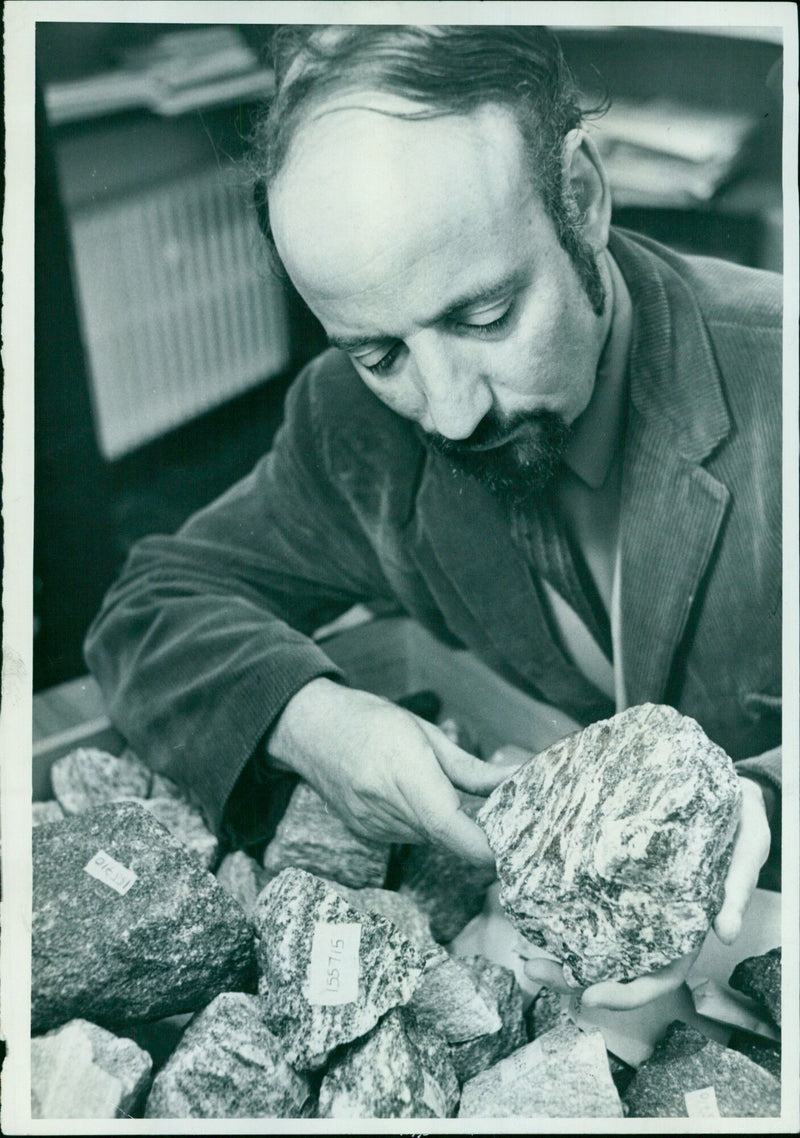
{"type": "Point", "coordinates": [456, 393]}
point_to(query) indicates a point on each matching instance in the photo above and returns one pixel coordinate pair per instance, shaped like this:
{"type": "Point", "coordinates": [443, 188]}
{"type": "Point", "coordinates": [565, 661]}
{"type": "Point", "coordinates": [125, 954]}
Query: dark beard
{"type": "Point", "coordinates": [517, 470]}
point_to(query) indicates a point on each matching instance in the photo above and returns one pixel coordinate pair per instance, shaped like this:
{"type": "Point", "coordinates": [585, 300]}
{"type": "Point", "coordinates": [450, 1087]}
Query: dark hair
{"type": "Point", "coordinates": [450, 69]}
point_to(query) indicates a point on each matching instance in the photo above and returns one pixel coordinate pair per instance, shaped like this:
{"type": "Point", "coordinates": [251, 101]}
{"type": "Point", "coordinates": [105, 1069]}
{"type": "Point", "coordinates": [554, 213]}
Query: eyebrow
{"type": "Point", "coordinates": [467, 300]}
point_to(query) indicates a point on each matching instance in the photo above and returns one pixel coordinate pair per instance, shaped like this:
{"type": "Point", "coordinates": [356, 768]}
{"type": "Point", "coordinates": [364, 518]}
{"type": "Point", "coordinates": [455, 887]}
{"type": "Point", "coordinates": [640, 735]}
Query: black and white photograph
{"type": "Point", "coordinates": [400, 568]}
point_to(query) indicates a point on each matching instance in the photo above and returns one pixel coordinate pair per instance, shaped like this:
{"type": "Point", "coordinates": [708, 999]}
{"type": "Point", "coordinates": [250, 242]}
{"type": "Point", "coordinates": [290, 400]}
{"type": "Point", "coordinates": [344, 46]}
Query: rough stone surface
{"type": "Point", "coordinates": [169, 944]}
{"type": "Point", "coordinates": [186, 823]}
{"type": "Point", "coordinates": [547, 1010]}
{"type": "Point", "coordinates": [446, 887]}
{"type": "Point", "coordinates": [44, 812]}
{"type": "Point", "coordinates": [89, 777]}
{"type": "Point", "coordinates": [563, 1074]}
{"type": "Point", "coordinates": [401, 910]}
{"type": "Point", "coordinates": [81, 1070]}
{"type": "Point", "coordinates": [242, 877]}
{"type": "Point", "coordinates": [762, 1051]}
{"type": "Point", "coordinates": [229, 1065]}
{"type": "Point", "coordinates": [448, 1000]}
{"type": "Point", "coordinates": [400, 1070]}
{"type": "Point", "coordinates": [686, 1061]}
{"type": "Point", "coordinates": [500, 990]}
{"type": "Point", "coordinates": [612, 845]}
{"type": "Point", "coordinates": [383, 974]}
{"type": "Point", "coordinates": [311, 836]}
{"type": "Point", "coordinates": [760, 978]}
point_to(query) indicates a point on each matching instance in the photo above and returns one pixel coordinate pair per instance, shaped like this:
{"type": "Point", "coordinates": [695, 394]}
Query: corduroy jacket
{"type": "Point", "coordinates": [204, 639]}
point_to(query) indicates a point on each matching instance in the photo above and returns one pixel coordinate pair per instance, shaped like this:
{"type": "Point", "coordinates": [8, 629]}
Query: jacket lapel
{"type": "Point", "coordinates": [671, 507]}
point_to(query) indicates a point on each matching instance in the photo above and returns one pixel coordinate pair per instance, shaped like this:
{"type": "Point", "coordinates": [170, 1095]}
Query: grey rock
{"type": "Point", "coordinates": [88, 777]}
{"type": "Point", "coordinates": [500, 990]}
{"type": "Point", "coordinates": [45, 812]}
{"type": "Point", "coordinates": [445, 886]}
{"type": "Point", "coordinates": [400, 1070]}
{"type": "Point", "coordinates": [448, 1000]}
{"type": "Point", "coordinates": [313, 837]}
{"type": "Point", "coordinates": [158, 1037]}
{"type": "Point", "coordinates": [401, 910]}
{"type": "Point", "coordinates": [686, 1062]}
{"type": "Point", "coordinates": [242, 877]}
{"type": "Point", "coordinates": [621, 1073]}
{"type": "Point", "coordinates": [612, 846]}
{"type": "Point", "coordinates": [229, 1065]}
{"type": "Point", "coordinates": [326, 986]}
{"type": "Point", "coordinates": [169, 944]}
{"type": "Point", "coordinates": [547, 1010]}
{"type": "Point", "coordinates": [762, 1051]}
{"type": "Point", "coordinates": [563, 1074]}
{"type": "Point", "coordinates": [81, 1070]}
{"type": "Point", "coordinates": [760, 978]}
{"type": "Point", "coordinates": [186, 823]}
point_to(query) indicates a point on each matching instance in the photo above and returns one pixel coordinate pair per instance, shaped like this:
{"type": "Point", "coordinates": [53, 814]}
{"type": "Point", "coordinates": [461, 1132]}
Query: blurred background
{"type": "Point", "coordinates": [163, 343]}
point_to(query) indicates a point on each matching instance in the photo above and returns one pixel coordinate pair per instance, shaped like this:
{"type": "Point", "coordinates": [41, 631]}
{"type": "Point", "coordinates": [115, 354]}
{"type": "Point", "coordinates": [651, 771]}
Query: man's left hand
{"type": "Point", "coordinates": [750, 851]}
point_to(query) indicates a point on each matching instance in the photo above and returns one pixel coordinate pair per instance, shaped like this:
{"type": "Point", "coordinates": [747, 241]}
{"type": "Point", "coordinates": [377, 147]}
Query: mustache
{"type": "Point", "coordinates": [496, 430]}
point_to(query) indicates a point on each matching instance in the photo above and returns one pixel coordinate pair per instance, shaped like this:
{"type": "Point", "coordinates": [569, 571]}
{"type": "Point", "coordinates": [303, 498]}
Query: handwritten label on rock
{"type": "Point", "coordinates": [520, 1063]}
{"type": "Point", "coordinates": [111, 872]}
{"type": "Point", "coordinates": [334, 970]}
{"type": "Point", "coordinates": [702, 1103]}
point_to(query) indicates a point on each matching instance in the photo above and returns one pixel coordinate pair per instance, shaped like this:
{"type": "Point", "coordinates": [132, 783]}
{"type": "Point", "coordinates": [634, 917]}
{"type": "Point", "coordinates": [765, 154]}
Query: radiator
{"type": "Point", "coordinates": [177, 306]}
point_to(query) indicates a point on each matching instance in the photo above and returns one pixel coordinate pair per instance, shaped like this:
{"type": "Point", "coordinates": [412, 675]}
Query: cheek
{"type": "Point", "coordinates": [396, 393]}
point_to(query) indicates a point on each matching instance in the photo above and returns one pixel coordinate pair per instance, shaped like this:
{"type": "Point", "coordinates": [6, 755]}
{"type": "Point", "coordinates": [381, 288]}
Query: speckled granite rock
{"type": "Point", "coordinates": [89, 777]}
{"type": "Point", "coordinates": [328, 970]}
{"type": "Point", "coordinates": [446, 887]}
{"type": "Point", "coordinates": [760, 978]}
{"type": "Point", "coordinates": [717, 1080]}
{"type": "Point", "coordinates": [81, 1070]}
{"type": "Point", "coordinates": [229, 1065]}
{"type": "Point", "coordinates": [167, 943]}
{"type": "Point", "coordinates": [311, 836]}
{"type": "Point", "coordinates": [448, 1000]}
{"type": "Point", "coordinates": [401, 910]}
{"type": "Point", "coordinates": [547, 1010]}
{"type": "Point", "coordinates": [761, 1051]}
{"type": "Point", "coordinates": [44, 812]}
{"type": "Point", "coordinates": [400, 1070]}
{"type": "Point", "coordinates": [612, 845]}
{"type": "Point", "coordinates": [500, 990]}
{"type": "Point", "coordinates": [563, 1074]}
{"type": "Point", "coordinates": [242, 877]}
{"type": "Point", "coordinates": [186, 823]}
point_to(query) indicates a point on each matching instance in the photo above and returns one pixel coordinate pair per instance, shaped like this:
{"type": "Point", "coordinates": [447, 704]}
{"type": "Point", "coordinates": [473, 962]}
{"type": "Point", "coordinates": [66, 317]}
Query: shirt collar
{"type": "Point", "coordinates": [597, 432]}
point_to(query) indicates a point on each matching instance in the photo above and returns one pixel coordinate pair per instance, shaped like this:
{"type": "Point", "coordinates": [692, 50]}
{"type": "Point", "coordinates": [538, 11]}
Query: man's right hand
{"type": "Point", "coordinates": [390, 776]}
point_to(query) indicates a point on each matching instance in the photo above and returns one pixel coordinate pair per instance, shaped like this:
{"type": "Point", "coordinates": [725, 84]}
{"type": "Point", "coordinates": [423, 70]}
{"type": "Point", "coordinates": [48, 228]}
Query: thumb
{"type": "Point", "coordinates": [439, 814]}
{"type": "Point", "coordinates": [463, 770]}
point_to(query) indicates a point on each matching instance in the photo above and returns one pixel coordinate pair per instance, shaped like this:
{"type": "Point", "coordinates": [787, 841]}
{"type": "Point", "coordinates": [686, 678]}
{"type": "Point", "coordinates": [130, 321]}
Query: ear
{"type": "Point", "coordinates": [586, 178]}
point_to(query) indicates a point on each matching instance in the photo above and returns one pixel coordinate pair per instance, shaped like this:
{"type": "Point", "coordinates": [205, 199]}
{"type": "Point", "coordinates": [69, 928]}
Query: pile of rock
{"type": "Point", "coordinates": [301, 986]}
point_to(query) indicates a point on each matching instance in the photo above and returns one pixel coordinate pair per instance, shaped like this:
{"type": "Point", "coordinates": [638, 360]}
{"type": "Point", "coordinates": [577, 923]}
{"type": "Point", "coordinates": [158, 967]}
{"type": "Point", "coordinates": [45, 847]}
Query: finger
{"type": "Point", "coordinates": [464, 770]}
{"type": "Point", "coordinates": [750, 851]}
{"type": "Point", "coordinates": [437, 809]}
{"type": "Point", "coordinates": [622, 997]}
{"type": "Point", "coordinates": [548, 973]}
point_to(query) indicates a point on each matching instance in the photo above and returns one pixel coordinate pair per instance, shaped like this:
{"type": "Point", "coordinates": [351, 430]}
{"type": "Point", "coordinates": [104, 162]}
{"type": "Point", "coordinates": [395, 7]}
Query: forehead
{"type": "Point", "coordinates": [366, 197]}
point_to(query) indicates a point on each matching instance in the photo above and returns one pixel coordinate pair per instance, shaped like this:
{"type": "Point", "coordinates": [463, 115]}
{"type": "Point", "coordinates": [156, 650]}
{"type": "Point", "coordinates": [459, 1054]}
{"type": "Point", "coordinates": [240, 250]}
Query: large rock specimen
{"type": "Point", "coordinates": [311, 836]}
{"type": "Point", "coordinates": [81, 1070]}
{"type": "Point", "coordinates": [126, 925]}
{"type": "Point", "coordinates": [760, 978]}
{"type": "Point", "coordinates": [689, 1075]}
{"type": "Point", "coordinates": [88, 777]}
{"type": "Point", "coordinates": [328, 971]}
{"type": "Point", "coordinates": [400, 1070]}
{"type": "Point", "coordinates": [612, 846]}
{"type": "Point", "coordinates": [229, 1065]}
{"type": "Point", "coordinates": [499, 989]}
{"type": "Point", "coordinates": [448, 888]}
{"type": "Point", "coordinates": [563, 1074]}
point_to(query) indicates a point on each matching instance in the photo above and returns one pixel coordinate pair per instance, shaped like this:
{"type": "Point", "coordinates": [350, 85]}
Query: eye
{"type": "Point", "coordinates": [385, 363]}
{"type": "Point", "coordinates": [483, 327]}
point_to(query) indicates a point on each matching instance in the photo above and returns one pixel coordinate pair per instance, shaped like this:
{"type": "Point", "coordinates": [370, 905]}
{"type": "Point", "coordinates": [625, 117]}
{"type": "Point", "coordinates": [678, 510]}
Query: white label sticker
{"type": "Point", "coordinates": [520, 1063]}
{"type": "Point", "coordinates": [333, 970]}
{"type": "Point", "coordinates": [433, 1095]}
{"type": "Point", "coordinates": [702, 1103]}
{"type": "Point", "coordinates": [111, 872]}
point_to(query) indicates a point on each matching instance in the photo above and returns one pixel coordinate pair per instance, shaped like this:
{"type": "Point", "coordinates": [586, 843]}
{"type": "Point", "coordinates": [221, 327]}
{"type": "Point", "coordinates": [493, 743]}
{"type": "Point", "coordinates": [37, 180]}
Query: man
{"type": "Point", "coordinates": [552, 443]}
